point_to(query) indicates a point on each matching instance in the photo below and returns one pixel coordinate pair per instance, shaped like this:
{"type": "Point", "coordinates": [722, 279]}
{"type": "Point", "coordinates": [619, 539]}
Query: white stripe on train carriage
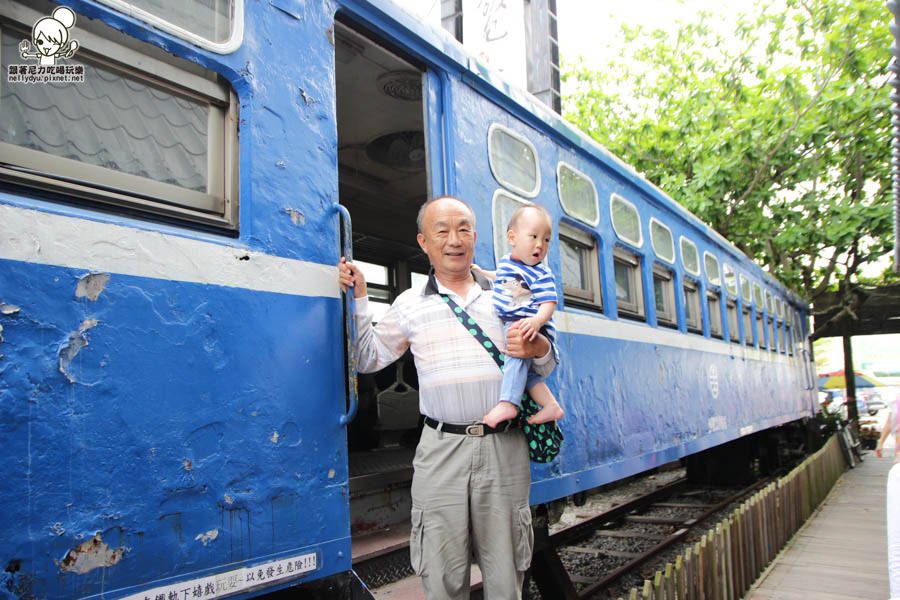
{"type": "Point", "coordinates": [35, 236]}
{"type": "Point", "coordinates": [581, 324]}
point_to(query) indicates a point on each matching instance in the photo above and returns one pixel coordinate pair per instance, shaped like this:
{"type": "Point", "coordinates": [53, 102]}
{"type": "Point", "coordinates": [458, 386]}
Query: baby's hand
{"type": "Point", "coordinates": [530, 328]}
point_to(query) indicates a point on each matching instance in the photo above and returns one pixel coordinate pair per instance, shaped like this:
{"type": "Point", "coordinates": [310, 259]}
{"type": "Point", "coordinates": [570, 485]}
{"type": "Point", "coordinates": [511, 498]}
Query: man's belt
{"type": "Point", "coordinates": [472, 430]}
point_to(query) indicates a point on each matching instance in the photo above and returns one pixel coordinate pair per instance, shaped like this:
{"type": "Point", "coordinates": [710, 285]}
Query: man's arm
{"type": "Point", "coordinates": [540, 349]}
{"type": "Point", "coordinates": [376, 346]}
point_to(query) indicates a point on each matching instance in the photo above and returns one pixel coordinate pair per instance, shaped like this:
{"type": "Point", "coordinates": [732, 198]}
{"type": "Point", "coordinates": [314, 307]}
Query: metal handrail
{"type": "Point", "coordinates": [349, 318]}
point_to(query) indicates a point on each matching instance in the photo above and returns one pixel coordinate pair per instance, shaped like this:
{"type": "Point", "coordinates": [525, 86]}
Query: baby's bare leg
{"type": "Point", "coordinates": [550, 408]}
{"type": "Point", "coordinates": [504, 411]}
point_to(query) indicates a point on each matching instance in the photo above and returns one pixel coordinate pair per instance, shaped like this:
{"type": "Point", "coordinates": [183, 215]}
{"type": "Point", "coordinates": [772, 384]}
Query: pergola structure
{"type": "Point", "coordinates": [856, 311]}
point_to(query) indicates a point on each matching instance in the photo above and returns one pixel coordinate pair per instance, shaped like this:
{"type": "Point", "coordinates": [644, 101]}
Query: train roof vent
{"type": "Point", "coordinates": [403, 150]}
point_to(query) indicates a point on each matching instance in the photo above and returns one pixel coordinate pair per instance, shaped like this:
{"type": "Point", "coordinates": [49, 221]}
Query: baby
{"type": "Point", "coordinates": [525, 297]}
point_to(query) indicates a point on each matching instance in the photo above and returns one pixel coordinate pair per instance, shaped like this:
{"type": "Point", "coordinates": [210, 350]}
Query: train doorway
{"type": "Point", "coordinates": [383, 178]}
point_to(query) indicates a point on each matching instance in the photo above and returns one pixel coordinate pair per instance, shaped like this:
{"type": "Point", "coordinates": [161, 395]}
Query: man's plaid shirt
{"type": "Point", "coordinates": [458, 380]}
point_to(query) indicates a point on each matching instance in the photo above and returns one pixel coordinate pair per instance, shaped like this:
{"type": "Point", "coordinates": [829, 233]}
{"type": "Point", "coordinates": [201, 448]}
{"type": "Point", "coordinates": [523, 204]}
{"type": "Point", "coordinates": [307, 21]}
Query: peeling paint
{"type": "Point", "coordinates": [281, 165]}
{"type": "Point", "coordinates": [57, 529]}
{"type": "Point", "coordinates": [297, 216]}
{"type": "Point", "coordinates": [187, 464]}
{"type": "Point", "coordinates": [77, 341]}
{"type": "Point", "coordinates": [330, 473]}
{"type": "Point", "coordinates": [207, 537]}
{"type": "Point", "coordinates": [274, 437]}
{"type": "Point", "coordinates": [91, 286]}
{"type": "Point", "coordinates": [1, 334]}
{"type": "Point", "coordinates": [229, 499]}
{"type": "Point", "coordinates": [90, 555]}
{"type": "Point", "coordinates": [307, 99]}
{"type": "Point", "coordinates": [9, 309]}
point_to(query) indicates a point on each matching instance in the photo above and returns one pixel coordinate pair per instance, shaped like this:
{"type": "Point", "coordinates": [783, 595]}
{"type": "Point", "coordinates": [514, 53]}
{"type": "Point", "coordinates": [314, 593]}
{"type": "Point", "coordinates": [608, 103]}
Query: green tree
{"type": "Point", "coordinates": [778, 136]}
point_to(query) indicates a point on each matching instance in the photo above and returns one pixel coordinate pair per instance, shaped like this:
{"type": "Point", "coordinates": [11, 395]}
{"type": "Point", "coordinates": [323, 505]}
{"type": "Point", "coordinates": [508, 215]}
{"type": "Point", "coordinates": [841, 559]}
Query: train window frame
{"type": "Point", "coordinates": [631, 261]}
{"type": "Point", "coordinates": [779, 307]}
{"type": "Point", "coordinates": [664, 279]}
{"type": "Point", "coordinates": [498, 225]}
{"type": "Point", "coordinates": [782, 326]}
{"type": "Point", "coordinates": [789, 337]}
{"type": "Point", "coordinates": [734, 333]}
{"type": "Point", "coordinates": [758, 296]}
{"type": "Point", "coordinates": [102, 47]}
{"type": "Point", "coordinates": [749, 325]}
{"type": "Point", "coordinates": [770, 303]}
{"type": "Point", "coordinates": [497, 127]}
{"type": "Point", "coordinates": [746, 292]}
{"type": "Point", "coordinates": [760, 328]}
{"type": "Point", "coordinates": [571, 210]}
{"type": "Point", "coordinates": [670, 257]}
{"type": "Point", "coordinates": [695, 269]}
{"type": "Point", "coordinates": [587, 298]}
{"type": "Point", "coordinates": [773, 337]}
{"type": "Point", "coordinates": [713, 306]}
{"type": "Point", "coordinates": [690, 290]}
{"type": "Point", "coordinates": [730, 279]}
{"type": "Point", "coordinates": [232, 43]}
{"type": "Point", "coordinates": [708, 258]}
{"type": "Point", "coordinates": [629, 208]}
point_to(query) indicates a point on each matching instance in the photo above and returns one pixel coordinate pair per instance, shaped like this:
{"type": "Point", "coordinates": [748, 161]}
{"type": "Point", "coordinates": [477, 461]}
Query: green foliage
{"type": "Point", "coordinates": [778, 138]}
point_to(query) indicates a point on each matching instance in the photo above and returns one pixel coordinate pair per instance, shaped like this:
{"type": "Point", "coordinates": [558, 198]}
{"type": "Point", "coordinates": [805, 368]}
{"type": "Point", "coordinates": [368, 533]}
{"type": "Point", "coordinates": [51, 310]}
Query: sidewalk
{"type": "Point", "coordinates": [841, 552]}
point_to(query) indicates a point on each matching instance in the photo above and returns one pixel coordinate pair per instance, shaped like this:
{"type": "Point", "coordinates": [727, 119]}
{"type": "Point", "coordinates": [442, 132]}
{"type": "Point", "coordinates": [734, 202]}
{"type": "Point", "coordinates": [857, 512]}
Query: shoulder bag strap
{"type": "Point", "coordinates": [475, 329]}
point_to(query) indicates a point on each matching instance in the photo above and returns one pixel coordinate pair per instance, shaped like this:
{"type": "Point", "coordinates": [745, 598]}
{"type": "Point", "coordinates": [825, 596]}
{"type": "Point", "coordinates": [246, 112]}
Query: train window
{"type": "Point", "coordinates": [760, 331]}
{"type": "Point", "coordinates": [144, 130]}
{"type": "Point", "coordinates": [629, 294]}
{"type": "Point", "coordinates": [692, 315]}
{"type": "Point", "coordinates": [577, 194]}
{"type": "Point", "coordinates": [715, 313]}
{"type": "Point", "coordinates": [779, 309]}
{"type": "Point", "coordinates": [770, 304]}
{"type": "Point", "coordinates": [711, 265]}
{"type": "Point", "coordinates": [216, 25]}
{"type": "Point", "coordinates": [784, 337]}
{"type": "Point", "coordinates": [734, 333]}
{"type": "Point", "coordinates": [748, 326]}
{"type": "Point", "coordinates": [662, 242]}
{"type": "Point", "coordinates": [730, 279]}
{"type": "Point", "coordinates": [745, 290]}
{"type": "Point", "coordinates": [580, 264]}
{"type": "Point", "coordinates": [689, 256]}
{"type": "Point", "coordinates": [504, 205]}
{"type": "Point", "coordinates": [789, 339]}
{"type": "Point", "coordinates": [664, 292]}
{"type": "Point", "coordinates": [758, 297]}
{"type": "Point", "coordinates": [625, 220]}
{"type": "Point", "coordinates": [513, 161]}
{"type": "Point", "coordinates": [378, 282]}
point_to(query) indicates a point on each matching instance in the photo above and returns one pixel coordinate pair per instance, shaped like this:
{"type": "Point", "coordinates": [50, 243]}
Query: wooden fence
{"type": "Point", "coordinates": [729, 557]}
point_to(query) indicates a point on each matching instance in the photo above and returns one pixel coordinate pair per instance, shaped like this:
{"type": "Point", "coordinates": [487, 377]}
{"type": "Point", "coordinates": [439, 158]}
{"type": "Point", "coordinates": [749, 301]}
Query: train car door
{"type": "Point", "coordinates": [389, 163]}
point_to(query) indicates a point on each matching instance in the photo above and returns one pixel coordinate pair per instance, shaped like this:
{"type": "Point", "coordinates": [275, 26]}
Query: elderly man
{"type": "Point", "coordinates": [470, 483]}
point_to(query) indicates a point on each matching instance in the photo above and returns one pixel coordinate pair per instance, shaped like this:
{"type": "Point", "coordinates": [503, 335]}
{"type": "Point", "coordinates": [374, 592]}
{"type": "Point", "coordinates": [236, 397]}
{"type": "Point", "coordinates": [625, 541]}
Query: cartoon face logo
{"type": "Point", "coordinates": [50, 36]}
{"type": "Point", "coordinates": [517, 290]}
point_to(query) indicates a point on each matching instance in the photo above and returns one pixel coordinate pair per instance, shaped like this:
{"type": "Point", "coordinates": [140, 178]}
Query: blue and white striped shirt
{"type": "Point", "coordinates": [520, 289]}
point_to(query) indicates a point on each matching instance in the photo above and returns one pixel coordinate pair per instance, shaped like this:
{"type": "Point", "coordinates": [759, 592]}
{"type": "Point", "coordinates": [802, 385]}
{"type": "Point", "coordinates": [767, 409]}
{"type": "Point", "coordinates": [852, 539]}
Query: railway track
{"type": "Point", "coordinates": [603, 554]}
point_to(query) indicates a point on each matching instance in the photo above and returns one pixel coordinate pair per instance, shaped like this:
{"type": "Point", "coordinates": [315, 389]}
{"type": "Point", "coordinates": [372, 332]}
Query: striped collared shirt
{"type": "Point", "coordinates": [458, 380]}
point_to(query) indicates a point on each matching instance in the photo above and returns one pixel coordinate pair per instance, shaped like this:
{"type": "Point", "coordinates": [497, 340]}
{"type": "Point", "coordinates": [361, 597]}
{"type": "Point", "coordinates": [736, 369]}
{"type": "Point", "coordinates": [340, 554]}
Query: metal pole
{"type": "Point", "coordinates": [850, 377]}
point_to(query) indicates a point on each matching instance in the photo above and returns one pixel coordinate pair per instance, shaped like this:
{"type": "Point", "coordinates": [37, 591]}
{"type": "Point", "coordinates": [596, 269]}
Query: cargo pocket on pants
{"type": "Point", "coordinates": [415, 541]}
{"type": "Point", "coordinates": [524, 539]}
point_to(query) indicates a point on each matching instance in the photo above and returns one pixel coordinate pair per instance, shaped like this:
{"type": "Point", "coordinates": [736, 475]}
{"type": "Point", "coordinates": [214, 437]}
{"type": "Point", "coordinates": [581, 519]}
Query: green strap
{"type": "Point", "coordinates": [475, 329]}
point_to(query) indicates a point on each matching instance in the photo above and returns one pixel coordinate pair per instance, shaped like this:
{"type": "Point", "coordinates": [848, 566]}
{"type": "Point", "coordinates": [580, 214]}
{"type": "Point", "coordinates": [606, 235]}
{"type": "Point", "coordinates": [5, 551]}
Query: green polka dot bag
{"type": "Point", "coordinates": [544, 440]}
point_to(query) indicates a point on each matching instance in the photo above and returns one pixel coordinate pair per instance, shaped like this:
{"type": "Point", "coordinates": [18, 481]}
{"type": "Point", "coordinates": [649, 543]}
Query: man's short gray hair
{"type": "Point", "coordinates": [421, 216]}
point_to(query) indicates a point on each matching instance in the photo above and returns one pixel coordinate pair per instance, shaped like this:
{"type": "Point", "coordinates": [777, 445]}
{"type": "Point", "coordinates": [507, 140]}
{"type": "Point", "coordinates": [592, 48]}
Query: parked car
{"type": "Point", "coordinates": [873, 401]}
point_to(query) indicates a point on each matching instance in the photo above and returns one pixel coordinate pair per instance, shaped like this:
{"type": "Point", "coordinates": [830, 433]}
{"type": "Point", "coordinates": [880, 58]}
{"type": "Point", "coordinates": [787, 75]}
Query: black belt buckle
{"type": "Point", "coordinates": [475, 430]}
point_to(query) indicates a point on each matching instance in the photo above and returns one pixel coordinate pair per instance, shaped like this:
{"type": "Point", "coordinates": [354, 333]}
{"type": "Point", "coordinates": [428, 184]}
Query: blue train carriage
{"type": "Point", "coordinates": [176, 410]}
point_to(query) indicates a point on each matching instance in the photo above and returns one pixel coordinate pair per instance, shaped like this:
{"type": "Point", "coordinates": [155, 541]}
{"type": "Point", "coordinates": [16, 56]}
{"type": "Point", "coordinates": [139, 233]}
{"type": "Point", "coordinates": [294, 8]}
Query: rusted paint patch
{"type": "Point", "coordinates": [297, 216]}
{"type": "Point", "coordinates": [77, 341]}
{"type": "Point", "coordinates": [207, 537]}
{"type": "Point", "coordinates": [90, 555]}
{"type": "Point", "coordinates": [91, 285]}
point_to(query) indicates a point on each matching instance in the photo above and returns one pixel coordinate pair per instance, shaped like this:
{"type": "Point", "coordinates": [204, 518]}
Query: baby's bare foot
{"type": "Point", "coordinates": [504, 411]}
{"type": "Point", "coordinates": [551, 412]}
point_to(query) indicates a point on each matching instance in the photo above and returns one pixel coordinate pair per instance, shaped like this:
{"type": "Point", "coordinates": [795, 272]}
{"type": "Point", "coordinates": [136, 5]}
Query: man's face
{"type": "Point", "coordinates": [448, 237]}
